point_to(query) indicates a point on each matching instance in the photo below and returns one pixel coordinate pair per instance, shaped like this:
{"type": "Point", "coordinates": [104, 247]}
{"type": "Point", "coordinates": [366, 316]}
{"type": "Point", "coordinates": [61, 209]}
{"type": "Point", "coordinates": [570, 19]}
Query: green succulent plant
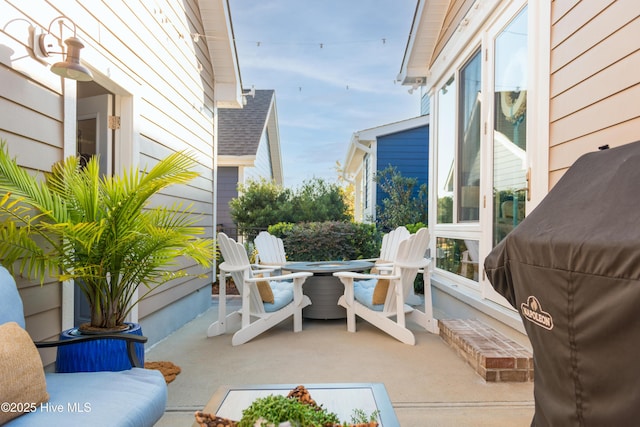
{"type": "Point", "coordinates": [272, 410]}
{"type": "Point", "coordinates": [101, 231]}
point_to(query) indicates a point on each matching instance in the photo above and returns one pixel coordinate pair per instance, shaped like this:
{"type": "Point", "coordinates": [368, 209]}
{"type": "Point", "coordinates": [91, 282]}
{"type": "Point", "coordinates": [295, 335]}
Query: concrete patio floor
{"type": "Point", "coordinates": [428, 384]}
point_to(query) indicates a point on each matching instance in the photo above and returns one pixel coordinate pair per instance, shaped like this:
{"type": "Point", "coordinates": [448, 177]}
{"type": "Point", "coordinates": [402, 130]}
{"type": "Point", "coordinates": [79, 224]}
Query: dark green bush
{"type": "Point", "coordinates": [261, 203]}
{"type": "Point", "coordinates": [330, 240]}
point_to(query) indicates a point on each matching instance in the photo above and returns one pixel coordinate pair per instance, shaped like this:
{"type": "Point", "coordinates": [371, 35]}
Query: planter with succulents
{"type": "Point", "coordinates": [297, 409]}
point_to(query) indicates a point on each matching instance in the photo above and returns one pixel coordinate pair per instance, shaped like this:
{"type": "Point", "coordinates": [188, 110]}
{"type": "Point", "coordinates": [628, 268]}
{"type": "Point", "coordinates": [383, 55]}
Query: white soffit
{"type": "Point", "coordinates": [218, 29]}
{"type": "Point", "coordinates": [425, 30]}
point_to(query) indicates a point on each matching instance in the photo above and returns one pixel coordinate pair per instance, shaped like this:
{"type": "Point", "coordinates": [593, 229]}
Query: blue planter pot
{"type": "Point", "coordinates": [97, 355]}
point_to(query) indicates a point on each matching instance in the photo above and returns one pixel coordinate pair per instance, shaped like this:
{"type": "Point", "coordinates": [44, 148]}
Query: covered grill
{"type": "Point", "coordinates": [572, 270]}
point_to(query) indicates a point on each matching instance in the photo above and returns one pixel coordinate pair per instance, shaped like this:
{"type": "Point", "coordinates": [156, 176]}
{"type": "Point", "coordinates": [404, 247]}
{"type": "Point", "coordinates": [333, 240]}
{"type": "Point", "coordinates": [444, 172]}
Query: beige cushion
{"type": "Point", "coordinates": [264, 288]}
{"type": "Point", "coordinates": [21, 373]}
{"type": "Point", "coordinates": [382, 286]}
{"type": "Point", "coordinates": [380, 291]}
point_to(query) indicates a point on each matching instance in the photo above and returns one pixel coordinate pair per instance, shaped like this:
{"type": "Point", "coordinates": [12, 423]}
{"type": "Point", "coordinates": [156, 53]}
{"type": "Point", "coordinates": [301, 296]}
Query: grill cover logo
{"type": "Point", "coordinates": [532, 311]}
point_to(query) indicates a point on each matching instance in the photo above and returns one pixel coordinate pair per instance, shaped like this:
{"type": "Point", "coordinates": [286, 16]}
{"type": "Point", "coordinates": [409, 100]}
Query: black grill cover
{"type": "Point", "coordinates": [572, 270]}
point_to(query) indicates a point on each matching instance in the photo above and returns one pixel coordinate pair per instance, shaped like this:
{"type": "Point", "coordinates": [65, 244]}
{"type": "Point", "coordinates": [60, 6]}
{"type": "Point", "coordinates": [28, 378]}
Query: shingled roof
{"type": "Point", "coordinates": [240, 130]}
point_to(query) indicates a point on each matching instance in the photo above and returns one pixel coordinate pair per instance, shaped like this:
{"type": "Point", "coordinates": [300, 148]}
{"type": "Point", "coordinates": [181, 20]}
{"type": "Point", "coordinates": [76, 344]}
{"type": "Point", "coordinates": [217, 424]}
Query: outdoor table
{"type": "Point", "coordinates": [323, 288]}
{"type": "Point", "coordinates": [341, 398]}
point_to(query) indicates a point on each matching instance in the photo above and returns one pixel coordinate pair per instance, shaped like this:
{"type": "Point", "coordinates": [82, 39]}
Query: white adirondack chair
{"type": "Point", "coordinates": [270, 250]}
{"type": "Point", "coordinates": [389, 249]}
{"type": "Point", "coordinates": [392, 316]}
{"type": "Point", "coordinates": [256, 316]}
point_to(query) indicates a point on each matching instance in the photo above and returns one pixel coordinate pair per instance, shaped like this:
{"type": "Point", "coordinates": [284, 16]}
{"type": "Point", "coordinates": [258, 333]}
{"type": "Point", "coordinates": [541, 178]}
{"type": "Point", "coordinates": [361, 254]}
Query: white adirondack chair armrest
{"type": "Point", "coordinates": [354, 275]}
{"type": "Point", "coordinates": [263, 271]}
{"type": "Point", "coordinates": [281, 277]}
{"type": "Point", "coordinates": [426, 267]}
{"type": "Point", "coordinates": [419, 264]}
{"type": "Point", "coordinates": [385, 268]}
{"type": "Point", "coordinates": [267, 266]}
{"type": "Point", "coordinates": [264, 267]}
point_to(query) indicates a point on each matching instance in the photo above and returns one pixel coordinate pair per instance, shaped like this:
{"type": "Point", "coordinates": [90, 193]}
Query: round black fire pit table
{"type": "Point", "coordinates": [323, 288]}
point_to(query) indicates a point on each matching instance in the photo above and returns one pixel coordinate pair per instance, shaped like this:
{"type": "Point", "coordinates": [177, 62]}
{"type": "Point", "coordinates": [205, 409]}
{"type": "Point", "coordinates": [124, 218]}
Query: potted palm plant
{"type": "Point", "coordinates": [99, 231]}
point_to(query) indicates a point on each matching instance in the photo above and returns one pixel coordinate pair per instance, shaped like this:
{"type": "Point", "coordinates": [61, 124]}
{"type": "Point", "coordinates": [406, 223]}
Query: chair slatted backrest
{"type": "Point", "coordinates": [235, 256]}
{"type": "Point", "coordinates": [270, 249]}
{"type": "Point", "coordinates": [409, 259]}
{"type": "Point", "coordinates": [391, 242]}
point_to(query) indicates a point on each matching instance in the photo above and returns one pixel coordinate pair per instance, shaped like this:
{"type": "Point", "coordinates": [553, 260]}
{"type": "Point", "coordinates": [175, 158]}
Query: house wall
{"type": "Point", "coordinates": [595, 84]}
{"type": "Point", "coordinates": [30, 95]}
{"type": "Point", "coordinates": [408, 152]}
{"type": "Point", "coordinates": [141, 51]}
{"type": "Point", "coordinates": [227, 190]}
{"type": "Point", "coordinates": [425, 104]}
{"type": "Point", "coordinates": [262, 165]}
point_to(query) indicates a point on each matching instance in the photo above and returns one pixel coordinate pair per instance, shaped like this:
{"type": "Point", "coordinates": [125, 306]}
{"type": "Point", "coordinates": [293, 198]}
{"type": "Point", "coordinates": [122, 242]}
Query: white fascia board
{"type": "Point", "coordinates": [355, 153]}
{"type": "Point", "coordinates": [274, 142]}
{"type": "Point", "coordinates": [246, 161]}
{"type": "Point", "coordinates": [373, 134]}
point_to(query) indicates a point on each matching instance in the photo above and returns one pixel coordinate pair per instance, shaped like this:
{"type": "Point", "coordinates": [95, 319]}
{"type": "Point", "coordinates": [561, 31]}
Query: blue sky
{"type": "Point", "coordinates": [332, 64]}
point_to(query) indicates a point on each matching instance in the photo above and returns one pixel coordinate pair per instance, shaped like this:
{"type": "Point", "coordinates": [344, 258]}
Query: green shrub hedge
{"type": "Point", "coordinates": [328, 241]}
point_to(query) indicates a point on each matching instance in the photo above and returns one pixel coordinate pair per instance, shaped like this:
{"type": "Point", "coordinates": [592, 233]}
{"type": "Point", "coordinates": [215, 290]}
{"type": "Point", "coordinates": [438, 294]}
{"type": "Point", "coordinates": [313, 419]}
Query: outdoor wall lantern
{"type": "Point", "coordinates": [70, 68]}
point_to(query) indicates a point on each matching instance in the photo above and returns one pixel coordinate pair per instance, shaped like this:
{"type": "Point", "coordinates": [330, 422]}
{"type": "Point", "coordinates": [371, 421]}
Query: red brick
{"type": "Point", "coordinates": [522, 363]}
{"type": "Point", "coordinates": [491, 376]}
{"type": "Point", "coordinates": [500, 363]}
{"type": "Point", "coordinates": [513, 375]}
{"type": "Point", "coordinates": [494, 356]}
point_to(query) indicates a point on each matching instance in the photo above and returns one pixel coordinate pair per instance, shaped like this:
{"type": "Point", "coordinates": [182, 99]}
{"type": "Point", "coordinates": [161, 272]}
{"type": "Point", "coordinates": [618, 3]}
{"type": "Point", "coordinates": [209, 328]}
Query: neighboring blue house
{"type": "Point", "coordinates": [403, 144]}
{"type": "Point", "coordinates": [248, 148]}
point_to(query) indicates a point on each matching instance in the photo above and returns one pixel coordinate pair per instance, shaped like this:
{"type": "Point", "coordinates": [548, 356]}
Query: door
{"type": "Point", "coordinates": [93, 138]}
{"type": "Point", "coordinates": [508, 132]}
{"type": "Point", "coordinates": [94, 135]}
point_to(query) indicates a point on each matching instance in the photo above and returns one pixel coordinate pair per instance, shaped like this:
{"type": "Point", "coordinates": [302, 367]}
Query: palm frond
{"type": "Point", "coordinates": [100, 231]}
{"type": "Point", "coordinates": [16, 181]}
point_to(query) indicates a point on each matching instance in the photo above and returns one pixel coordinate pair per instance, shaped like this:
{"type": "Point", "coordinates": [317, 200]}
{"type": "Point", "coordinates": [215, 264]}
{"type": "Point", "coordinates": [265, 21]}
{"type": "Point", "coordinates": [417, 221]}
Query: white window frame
{"type": "Point", "coordinates": [456, 230]}
{"type": "Point", "coordinates": [478, 31]}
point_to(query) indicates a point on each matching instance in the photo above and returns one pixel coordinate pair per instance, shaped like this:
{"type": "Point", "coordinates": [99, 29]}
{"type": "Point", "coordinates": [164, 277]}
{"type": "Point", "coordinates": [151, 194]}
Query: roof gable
{"type": "Point", "coordinates": [240, 130]}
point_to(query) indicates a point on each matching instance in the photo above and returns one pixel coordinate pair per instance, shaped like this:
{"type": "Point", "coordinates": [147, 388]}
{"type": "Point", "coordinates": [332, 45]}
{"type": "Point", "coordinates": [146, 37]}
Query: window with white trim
{"type": "Point", "coordinates": [466, 171]}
